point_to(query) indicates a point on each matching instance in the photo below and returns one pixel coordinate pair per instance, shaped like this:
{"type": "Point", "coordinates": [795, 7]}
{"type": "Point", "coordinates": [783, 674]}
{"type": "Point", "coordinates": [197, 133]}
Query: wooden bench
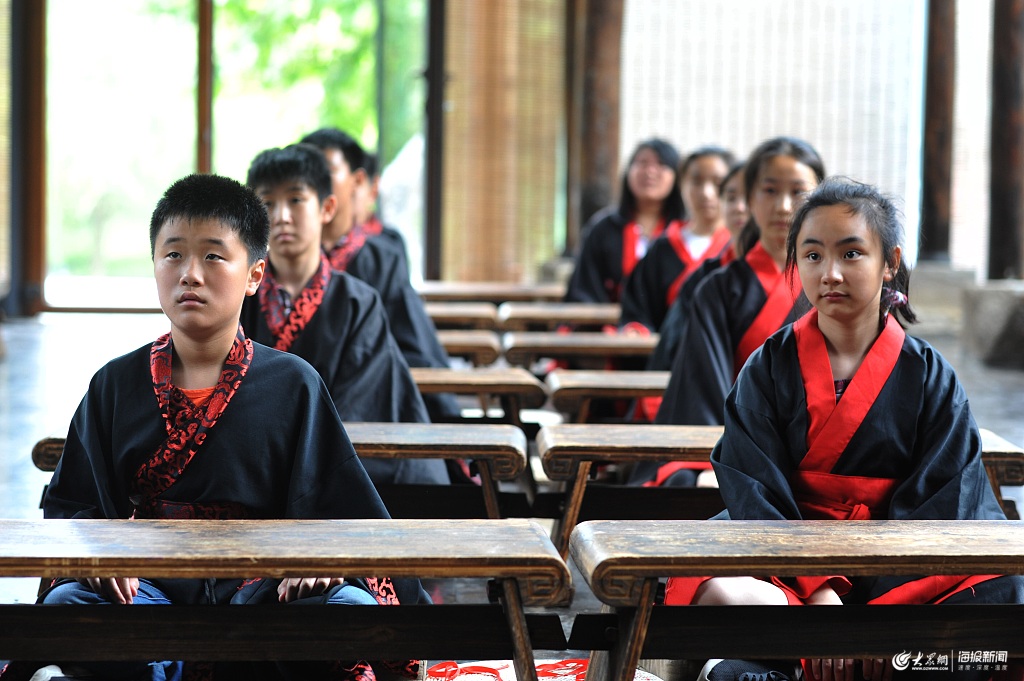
{"type": "Point", "coordinates": [548, 316]}
{"type": "Point", "coordinates": [573, 390]}
{"type": "Point", "coordinates": [488, 291]}
{"type": "Point", "coordinates": [623, 561]}
{"type": "Point", "coordinates": [498, 452]}
{"type": "Point", "coordinates": [515, 388]}
{"type": "Point", "coordinates": [569, 451]}
{"type": "Point", "coordinates": [528, 571]}
{"type": "Point", "coordinates": [522, 348]}
{"type": "Point", "coordinates": [480, 347]}
{"type": "Point", "coordinates": [462, 315]}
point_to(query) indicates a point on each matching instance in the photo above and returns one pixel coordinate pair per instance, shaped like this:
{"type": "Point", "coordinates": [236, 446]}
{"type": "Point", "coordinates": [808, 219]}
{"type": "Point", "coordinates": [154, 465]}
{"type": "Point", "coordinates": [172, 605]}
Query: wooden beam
{"type": "Point", "coordinates": [938, 130]}
{"type": "Point", "coordinates": [31, 162]}
{"type": "Point", "coordinates": [600, 124]}
{"type": "Point", "coordinates": [1006, 186]}
{"type": "Point", "coordinates": [204, 88]}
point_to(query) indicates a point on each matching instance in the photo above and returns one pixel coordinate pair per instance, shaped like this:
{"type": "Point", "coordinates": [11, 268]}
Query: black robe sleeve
{"type": "Point", "coordinates": [598, 272]}
{"type": "Point", "coordinates": [645, 292]}
{"type": "Point", "coordinates": [382, 268]}
{"type": "Point", "coordinates": [671, 330]}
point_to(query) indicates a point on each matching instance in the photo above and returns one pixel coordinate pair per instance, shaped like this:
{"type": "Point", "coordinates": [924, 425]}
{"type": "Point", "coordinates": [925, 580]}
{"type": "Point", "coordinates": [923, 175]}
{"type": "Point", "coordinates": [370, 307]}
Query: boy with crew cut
{"type": "Point", "coordinates": [330, 319]}
{"type": "Point", "coordinates": [378, 262]}
{"type": "Point", "coordinates": [205, 423]}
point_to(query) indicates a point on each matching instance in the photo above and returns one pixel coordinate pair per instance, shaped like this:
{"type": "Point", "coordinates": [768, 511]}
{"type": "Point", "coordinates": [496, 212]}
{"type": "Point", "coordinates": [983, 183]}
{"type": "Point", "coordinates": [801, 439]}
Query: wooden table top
{"type": "Point", "coordinates": [563, 446]}
{"type": "Point", "coordinates": [483, 347]}
{"type": "Point", "coordinates": [521, 347]}
{"type": "Point", "coordinates": [472, 315]}
{"type": "Point", "coordinates": [515, 548]}
{"type": "Point", "coordinates": [614, 555]}
{"type": "Point", "coordinates": [569, 387]}
{"type": "Point", "coordinates": [503, 445]}
{"type": "Point", "coordinates": [488, 291]}
{"type": "Point", "coordinates": [517, 316]}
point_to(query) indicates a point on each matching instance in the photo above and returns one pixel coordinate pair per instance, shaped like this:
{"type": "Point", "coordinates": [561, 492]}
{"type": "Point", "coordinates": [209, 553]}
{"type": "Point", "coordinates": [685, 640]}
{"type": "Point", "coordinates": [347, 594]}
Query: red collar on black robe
{"type": "Point", "coordinates": [782, 292]}
{"type": "Point", "coordinates": [287, 329]}
{"type": "Point", "coordinates": [187, 428]}
{"type": "Point", "coordinates": [674, 234]}
{"type": "Point", "coordinates": [341, 254]}
{"type": "Point", "coordinates": [831, 424]}
{"type": "Point", "coordinates": [630, 238]}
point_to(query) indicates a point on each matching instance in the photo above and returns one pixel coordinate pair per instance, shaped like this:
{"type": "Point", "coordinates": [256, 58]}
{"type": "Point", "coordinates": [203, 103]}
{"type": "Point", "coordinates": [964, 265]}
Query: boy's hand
{"type": "Point", "coordinates": [294, 588]}
{"type": "Point", "coordinates": [115, 589]}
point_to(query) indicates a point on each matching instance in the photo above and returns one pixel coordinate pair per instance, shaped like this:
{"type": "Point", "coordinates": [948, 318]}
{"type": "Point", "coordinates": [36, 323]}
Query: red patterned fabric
{"type": "Point", "coordinates": [287, 328]}
{"type": "Point", "coordinates": [187, 426]}
{"type": "Point", "coordinates": [372, 227]}
{"type": "Point", "coordinates": [340, 255]}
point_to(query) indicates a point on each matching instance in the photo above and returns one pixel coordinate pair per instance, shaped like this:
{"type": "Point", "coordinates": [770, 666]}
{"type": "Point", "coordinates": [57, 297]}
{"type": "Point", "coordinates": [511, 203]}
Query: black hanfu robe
{"type": "Point", "coordinates": [278, 450]}
{"type": "Point", "coordinates": [657, 279]}
{"type": "Point", "coordinates": [348, 342]}
{"type": "Point", "coordinates": [379, 264]}
{"type": "Point", "coordinates": [730, 315]}
{"type": "Point", "coordinates": [901, 443]}
{"type": "Point", "coordinates": [375, 229]}
{"type": "Point", "coordinates": [607, 256]}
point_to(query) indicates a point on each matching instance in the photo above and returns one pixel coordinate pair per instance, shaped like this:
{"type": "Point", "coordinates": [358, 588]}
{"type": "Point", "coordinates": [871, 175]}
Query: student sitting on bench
{"type": "Point", "coordinates": [328, 318]}
{"type": "Point", "coordinates": [205, 423]}
{"type": "Point", "coordinates": [842, 415]}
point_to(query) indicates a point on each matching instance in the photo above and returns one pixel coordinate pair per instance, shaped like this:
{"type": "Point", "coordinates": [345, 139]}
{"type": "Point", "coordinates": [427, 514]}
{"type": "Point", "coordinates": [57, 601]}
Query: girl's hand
{"type": "Point", "coordinates": [115, 589]}
{"type": "Point", "coordinates": [293, 588]}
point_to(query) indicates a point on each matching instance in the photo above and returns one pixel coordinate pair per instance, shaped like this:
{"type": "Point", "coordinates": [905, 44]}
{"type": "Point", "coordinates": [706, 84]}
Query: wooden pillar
{"type": "Point", "coordinates": [938, 130]}
{"type": "Point", "coordinates": [599, 157]}
{"type": "Point", "coordinates": [1006, 193]}
{"type": "Point", "coordinates": [575, 46]}
{"type": "Point", "coordinates": [204, 88]}
{"type": "Point", "coordinates": [28, 111]}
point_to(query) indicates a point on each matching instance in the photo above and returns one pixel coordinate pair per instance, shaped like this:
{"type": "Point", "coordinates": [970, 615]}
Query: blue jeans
{"type": "Point", "coordinates": [74, 593]}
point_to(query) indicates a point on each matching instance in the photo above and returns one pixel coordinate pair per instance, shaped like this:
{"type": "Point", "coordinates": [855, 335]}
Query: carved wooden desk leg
{"type": "Point", "coordinates": [563, 527]}
{"type": "Point", "coordinates": [620, 663]}
{"type": "Point", "coordinates": [489, 488]}
{"type": "Point", "coordinates": [522, 658]}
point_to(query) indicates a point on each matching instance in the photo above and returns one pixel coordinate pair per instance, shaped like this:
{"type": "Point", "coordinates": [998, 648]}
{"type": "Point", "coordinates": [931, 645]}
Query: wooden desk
{"type": "Point", "coordinates": [522, 348]}
{"type": "Point", "coordinates": [478, 346]}
{"type": "Point", "coordinates": [460, 315]}
{"type": "Point", "coordinates": [488, 291]}
{"type": "Point", "coordinates": [497, 450]}
{"type": "Point", "coordinates": [623, 562]}
{"type": "Point", "coordinates": [568, 451]}
{"type": "Point", "coordinates": [515, 388]}
{"type": "Point", "coordinates": [526, 316]}
{"type": "Point", "coordinates": [529, 571]}
{"type": "Point", "coordinates": [573, 390]}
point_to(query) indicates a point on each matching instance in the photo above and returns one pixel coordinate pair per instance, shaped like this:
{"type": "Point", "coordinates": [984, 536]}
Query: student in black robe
{"type": "Point", "coordinates": [842, 415]}
{"type": "Point", "coordinates": [614, 240]}
{"type": "Point", "coordinates": [365, 211]}
{"type": "Point", "coordinates": [736, 307]}
{"type": "Point", "coordinates": [654, 284]}
{"type": "Point", "coordinates": [380, 264]}
{"type": "Point", "coordinates": [205, 423]}
{"type": "Point", "coordinates": [330, 319]}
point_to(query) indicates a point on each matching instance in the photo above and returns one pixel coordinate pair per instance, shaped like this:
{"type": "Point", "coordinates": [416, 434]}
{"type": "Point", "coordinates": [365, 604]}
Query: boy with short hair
{"type": "Point", "coordinates": [364, 206]}
{"type": "Point", "coordinates": [205, 423]}
{"type": "Point", "coordinates": [377, 262]}
{"type": "Point", "coordinates": [330, 319]}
